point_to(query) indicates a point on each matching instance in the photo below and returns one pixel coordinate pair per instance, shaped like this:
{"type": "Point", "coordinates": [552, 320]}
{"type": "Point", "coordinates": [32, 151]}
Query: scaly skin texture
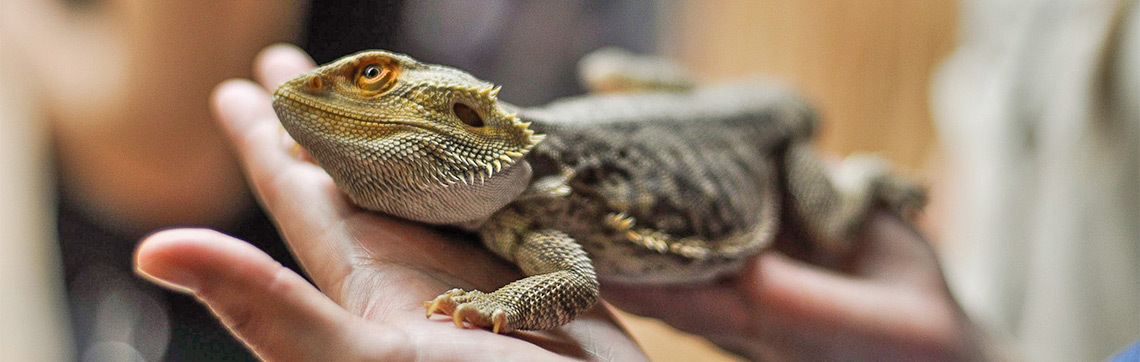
{"type": "Point", "coordinates": [675, 185]}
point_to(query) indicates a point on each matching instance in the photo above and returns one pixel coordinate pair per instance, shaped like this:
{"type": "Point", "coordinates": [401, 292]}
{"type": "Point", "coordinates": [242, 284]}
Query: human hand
{"type": "Point", "coordinates": [373, 272]}
{"type": "Point", "coordinates": [890, 303]}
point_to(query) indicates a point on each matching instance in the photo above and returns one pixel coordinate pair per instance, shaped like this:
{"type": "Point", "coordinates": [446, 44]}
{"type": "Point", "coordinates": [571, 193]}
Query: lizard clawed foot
{"type": "Point", "coordinates": [905, 196]}
{"type": "Point", "coordinates": [475, 307]}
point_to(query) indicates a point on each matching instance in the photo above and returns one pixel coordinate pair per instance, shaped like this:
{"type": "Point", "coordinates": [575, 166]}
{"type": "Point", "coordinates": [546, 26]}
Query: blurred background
{"type": "Point", "coordinates": [1022, 115]}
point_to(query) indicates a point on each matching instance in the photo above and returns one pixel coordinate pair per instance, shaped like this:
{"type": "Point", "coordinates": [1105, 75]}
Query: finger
{"type": "Point", "coordinates": [795, 289]}
{"type": "Point", "coordinates": [279, 63]}
{"type": "Point", "coordinates": [299, 195]}
{"type": "Point", "coordinates": [890, 249]}
{"type": "Point", "coordinates": [792, 290]}
{"type": "Point", "coordinates": [270, 308]}
{"type": "Point", "coordinates": [683, 307]}
{"type": "Point", "coordinates": [244, 111]}
{"type": "Point", "coordinates": [275, 65]}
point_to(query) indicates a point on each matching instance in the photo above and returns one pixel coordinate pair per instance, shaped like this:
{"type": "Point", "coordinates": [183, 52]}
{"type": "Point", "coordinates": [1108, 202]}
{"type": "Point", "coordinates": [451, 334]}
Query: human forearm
{"type": "Point", "coordinates": [133, 135]}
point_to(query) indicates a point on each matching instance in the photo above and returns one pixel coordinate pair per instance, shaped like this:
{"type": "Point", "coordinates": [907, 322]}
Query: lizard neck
{"type": "Point", "coordinates": [464, 205]}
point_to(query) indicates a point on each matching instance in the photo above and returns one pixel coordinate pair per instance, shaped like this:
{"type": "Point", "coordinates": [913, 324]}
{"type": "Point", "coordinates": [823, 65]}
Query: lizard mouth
{"type": "Point", "coordinates": [297, 100]}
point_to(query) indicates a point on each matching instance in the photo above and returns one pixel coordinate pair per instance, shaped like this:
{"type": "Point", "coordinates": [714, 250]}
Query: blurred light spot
{"type": "Point", "coordinates": [127, 320]}
{"type": "Point", "coordinates": [111, 351]}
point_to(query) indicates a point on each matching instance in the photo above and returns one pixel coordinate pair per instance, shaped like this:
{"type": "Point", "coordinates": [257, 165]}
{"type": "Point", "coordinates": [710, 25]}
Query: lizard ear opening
{"type": "Point", "coordinates": [467, 115]}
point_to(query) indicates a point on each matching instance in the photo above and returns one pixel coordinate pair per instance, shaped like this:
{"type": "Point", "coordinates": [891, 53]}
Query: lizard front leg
{"type": "Point", "coordinates": [561, 284]}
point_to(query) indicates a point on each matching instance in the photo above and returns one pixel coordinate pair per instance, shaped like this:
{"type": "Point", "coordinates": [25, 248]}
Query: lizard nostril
{"type": "Point", "coordinates": [314, 83]}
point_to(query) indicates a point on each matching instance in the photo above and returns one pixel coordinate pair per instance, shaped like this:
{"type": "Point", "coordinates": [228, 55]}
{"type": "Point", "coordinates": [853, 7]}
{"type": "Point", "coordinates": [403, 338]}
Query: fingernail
{"type": "Point", "coordinates": [285, 48]}
{"type": "Point", "coordinates": [170, 277]}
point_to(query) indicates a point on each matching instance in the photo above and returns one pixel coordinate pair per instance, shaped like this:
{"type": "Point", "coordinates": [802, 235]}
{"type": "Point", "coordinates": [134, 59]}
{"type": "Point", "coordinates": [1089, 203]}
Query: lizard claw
{"type": "Point", "coordinates": [474, 307]}
{"type": "Point", "coordinates": [299, 153]}
{"type": "Point", "coordinates": [459, 315]}
{"type": "Point", "coordinates": [499, 318]}
{"type": "Point", "coordinates": [445, 303]}
{"type": "Point", "coordinates": [295, 149]}
{"type": "Point", "coordinates": [432, 307]}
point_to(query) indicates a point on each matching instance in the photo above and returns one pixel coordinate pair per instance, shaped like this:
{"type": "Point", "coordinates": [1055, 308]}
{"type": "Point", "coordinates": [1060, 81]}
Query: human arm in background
{"type": "Point", "coordinates": [125, 85]}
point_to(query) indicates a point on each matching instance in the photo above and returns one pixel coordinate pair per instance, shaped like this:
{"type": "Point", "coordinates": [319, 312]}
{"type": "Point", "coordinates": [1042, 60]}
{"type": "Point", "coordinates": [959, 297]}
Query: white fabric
{"type": "Point", "coordinates": [1038, 115]}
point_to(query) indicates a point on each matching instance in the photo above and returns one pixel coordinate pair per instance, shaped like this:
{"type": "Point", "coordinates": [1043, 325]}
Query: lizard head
{"type": "Point", "coordinates": [419, 141]}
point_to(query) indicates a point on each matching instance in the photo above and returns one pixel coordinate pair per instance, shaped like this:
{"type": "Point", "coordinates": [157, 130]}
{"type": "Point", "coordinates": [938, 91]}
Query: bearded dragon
{"type": "Point", "coordinates": [670, 184]}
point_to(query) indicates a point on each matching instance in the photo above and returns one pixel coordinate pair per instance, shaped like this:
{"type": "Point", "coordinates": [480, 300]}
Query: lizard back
{"type": "Point", "coordinates": [666, 186]}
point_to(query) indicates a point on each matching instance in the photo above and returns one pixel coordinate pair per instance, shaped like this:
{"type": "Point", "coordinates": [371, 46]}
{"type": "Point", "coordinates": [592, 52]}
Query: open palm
{"type": "Point", "coordinates": [373, 272]}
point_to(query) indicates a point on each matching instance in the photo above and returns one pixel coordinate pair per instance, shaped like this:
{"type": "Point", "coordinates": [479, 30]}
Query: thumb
{"type": "Point", "coordinates": [273, 310]}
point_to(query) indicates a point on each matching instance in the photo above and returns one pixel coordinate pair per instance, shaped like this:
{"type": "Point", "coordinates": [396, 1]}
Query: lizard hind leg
{"type": "Point", "coordinates": [561, 284]}
{"type": "Point", "coordinates": [832, 206]}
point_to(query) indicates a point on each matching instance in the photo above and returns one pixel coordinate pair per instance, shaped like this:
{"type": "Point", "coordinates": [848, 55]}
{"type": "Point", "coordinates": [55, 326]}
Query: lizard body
{"type": "Point", "coordinates": [677, 185]}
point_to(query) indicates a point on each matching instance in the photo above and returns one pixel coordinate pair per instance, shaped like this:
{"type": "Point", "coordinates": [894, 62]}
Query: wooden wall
{"type": "Point", "coordinates": [865, 64]}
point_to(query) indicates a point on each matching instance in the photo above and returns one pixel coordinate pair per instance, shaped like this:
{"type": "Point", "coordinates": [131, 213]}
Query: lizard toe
{"type": "Point", "coordinates": [479, 309]}
{"type": "Point", "coordinates": [446, 303]}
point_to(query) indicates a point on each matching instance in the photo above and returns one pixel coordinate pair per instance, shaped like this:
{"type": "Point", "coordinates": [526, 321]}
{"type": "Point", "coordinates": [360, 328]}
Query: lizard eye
{"type": "Point", "coordinates": [375, 79]}
{"type": "Point", "coordinates": [371, 72]}
{"type": "Point", "coordinates": [467, 115]}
